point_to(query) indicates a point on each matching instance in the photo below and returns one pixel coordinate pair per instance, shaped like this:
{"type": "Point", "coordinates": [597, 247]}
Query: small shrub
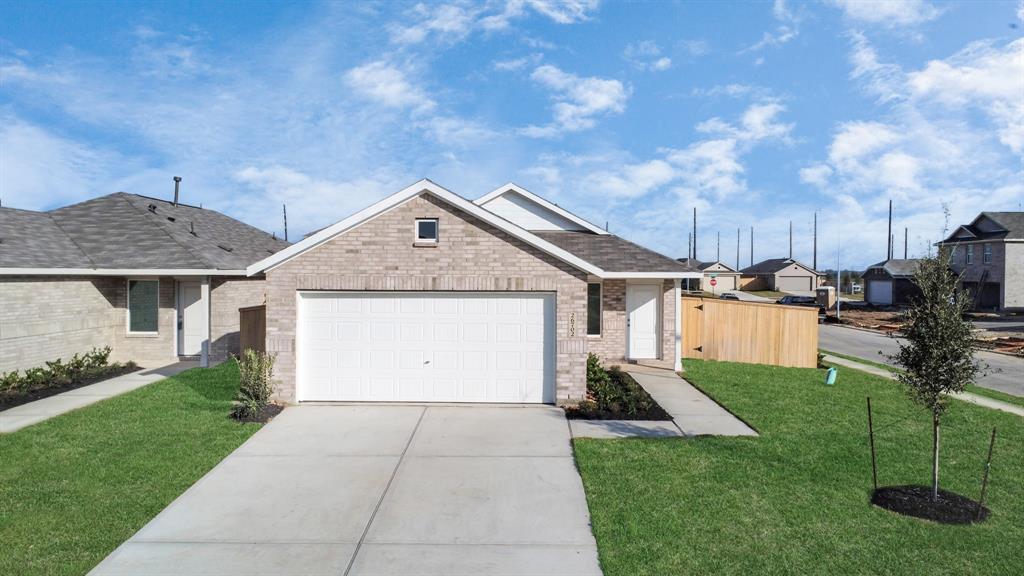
{"type": "Point", "coordinates": [56, 374]}
{"type": "Point", "coordinates": [256, 370]}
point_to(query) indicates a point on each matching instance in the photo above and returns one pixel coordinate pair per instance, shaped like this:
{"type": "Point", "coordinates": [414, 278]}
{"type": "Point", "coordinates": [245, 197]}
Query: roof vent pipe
{"type": "Point", "coordinates": [177, 182]}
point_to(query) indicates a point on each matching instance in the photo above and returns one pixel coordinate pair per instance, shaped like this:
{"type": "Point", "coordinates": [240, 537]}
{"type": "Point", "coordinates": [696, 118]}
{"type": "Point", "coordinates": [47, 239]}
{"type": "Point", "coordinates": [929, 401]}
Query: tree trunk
{"type": "Point", "coordinates": [935, 457]}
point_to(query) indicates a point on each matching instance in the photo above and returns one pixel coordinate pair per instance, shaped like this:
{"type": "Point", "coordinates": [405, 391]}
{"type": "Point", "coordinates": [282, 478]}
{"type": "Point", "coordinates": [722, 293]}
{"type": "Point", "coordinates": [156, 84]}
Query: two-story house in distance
{"type": "Point", "coordinates": [988, 253]}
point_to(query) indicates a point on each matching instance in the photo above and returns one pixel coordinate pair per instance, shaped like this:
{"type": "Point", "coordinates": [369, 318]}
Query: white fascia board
{"type": "Point", "coordinates": [423, 186]}
{"type": "Point", "coordinates": [649, 275]}
{"type": "Point", "coordinates": [512, 187]}
{"type": "Point", "coordinates": [118, 272]}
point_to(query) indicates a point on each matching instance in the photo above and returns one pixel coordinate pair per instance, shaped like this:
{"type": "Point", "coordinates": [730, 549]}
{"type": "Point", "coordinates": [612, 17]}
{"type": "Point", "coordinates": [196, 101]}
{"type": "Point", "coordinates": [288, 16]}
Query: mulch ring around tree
{"type": "Point", "coordinates": [268, 413]}
{"type": "Point", "coordinates": [916, 501]}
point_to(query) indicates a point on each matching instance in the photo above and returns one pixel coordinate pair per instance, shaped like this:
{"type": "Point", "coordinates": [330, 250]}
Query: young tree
{"type": "Point", "coordinates": [938, 353]}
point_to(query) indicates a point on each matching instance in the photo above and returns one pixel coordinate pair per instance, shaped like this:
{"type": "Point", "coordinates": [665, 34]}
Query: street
{"type": "Point", "coordinates": [1005, 373]}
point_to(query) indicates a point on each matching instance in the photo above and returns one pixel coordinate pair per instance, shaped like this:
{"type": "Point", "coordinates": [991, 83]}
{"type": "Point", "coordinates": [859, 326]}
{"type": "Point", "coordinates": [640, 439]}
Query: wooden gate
{"type": "Point", "coordinates": [252, 328]}
{"type": "Point", "coordinates": [750, 332]}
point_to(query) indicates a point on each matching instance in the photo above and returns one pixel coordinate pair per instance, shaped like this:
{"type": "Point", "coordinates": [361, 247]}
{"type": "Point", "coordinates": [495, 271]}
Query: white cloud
{"type": "Point", "coordinates": [515, 64]}
{"type": "Point", "coordinates": [786, 29]}
{"type": "Point", "coordinates": [816, 175]}
{"type": "Point", "coordinates": [632, 180]}
{"type": "Point", "coordinates": [884, 80]}
{"type": "Point", "coordinates": [646, 55]}
{"type": "Point", "coordinates": [694, 47]}
{"type": "Point", "coordinates": [454, 22]}
{"type": "Point", "coordinates": [578, 100]}
{"type": "Point", "coordinates": [758, 122]}
{"type": "Point", "coordinates": [889, 12]}
{"type": "Point", "coordinates": [389, 85]}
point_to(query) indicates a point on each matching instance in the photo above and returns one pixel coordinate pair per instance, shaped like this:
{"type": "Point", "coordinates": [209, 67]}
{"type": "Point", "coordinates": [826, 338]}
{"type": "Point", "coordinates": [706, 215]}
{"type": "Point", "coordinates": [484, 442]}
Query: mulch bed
{"type": "Point", "coordinates": [916, 501]}
{"type": "Point", "coordinates": [590, 410]}
{"type": "Point", "coordinates": [268, 413]}
{"type": "Point", "coordinates": [8, 402]}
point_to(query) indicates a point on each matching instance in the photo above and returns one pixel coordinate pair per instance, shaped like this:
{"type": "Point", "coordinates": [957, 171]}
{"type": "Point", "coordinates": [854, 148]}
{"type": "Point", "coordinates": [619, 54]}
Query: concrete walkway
{"type": "Point", "coordinates": [965, 396]}
{"type": "Point", "coordinates": [375, 489]}
{"type": "Point", "coordinates": [693, 412]}
{"type": "Point", "coordinates": [34, 412]}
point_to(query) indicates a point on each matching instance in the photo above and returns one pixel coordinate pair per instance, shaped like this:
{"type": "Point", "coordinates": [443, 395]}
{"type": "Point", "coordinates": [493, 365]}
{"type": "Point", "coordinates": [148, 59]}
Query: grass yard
{"type": "Point", "coordinates": [795, 500]}
{"type": "Point", "coordinates": [73, 488]}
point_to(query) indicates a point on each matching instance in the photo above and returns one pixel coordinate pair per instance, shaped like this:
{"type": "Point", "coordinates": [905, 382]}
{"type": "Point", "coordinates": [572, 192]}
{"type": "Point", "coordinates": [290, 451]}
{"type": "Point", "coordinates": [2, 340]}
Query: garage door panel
{"type": "Point", "coordinates": [457, 347]}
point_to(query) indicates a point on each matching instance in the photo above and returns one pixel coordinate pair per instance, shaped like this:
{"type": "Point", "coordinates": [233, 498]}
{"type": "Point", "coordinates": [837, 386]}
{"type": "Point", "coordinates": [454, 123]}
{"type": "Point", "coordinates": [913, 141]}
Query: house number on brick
{"type": "Point", "coordinates": [572, 325]}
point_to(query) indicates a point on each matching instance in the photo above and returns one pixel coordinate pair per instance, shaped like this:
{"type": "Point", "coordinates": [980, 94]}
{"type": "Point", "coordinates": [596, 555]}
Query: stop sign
{"type": "Point", "coordinates": [714, 282]}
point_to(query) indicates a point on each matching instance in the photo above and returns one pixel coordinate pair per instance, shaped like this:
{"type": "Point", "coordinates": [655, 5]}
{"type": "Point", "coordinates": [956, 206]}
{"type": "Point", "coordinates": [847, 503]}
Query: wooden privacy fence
{"type": "Point", "coordinates": [751, 332]}
{"type": "Point", "coordinates": [252, 329]}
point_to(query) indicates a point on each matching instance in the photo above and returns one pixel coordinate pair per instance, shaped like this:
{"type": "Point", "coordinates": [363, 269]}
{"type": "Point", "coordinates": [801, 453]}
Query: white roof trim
{"type": "Point", "coordinates": [423, 186]}
{"type": "Point", "coordinates": [118, 272]}
{"type": "Point", "coordinates": [651, 275]}
{"type": "Point", "coordinates": [512, 187]}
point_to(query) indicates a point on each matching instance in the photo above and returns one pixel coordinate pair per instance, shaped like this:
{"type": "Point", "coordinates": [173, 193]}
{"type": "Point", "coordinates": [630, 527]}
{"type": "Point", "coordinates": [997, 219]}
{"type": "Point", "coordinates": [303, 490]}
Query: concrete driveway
{"type": "Point", "coordinates": [380, 490]}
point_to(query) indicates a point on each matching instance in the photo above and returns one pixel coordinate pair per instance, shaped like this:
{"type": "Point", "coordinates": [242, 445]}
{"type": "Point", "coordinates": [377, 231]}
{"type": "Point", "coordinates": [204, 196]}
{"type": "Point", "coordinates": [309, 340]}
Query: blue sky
{"type": "Point", "coordinates": [755, 113]}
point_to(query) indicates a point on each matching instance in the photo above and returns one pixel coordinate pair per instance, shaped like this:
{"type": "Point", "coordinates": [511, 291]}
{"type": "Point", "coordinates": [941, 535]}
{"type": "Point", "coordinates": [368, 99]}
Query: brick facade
{"type": "Point", "coordinates": [471, 255]}
{"type": "Point", "coordinates": [48, 317]}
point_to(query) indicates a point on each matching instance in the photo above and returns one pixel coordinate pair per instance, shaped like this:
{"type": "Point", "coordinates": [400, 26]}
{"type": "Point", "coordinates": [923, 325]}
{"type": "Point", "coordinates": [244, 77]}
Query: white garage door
{"type": "Point", "coordinates": [426, 347]}
{"type": "Point", "coordinates": [880, 292]}
{"type": "Point", "coordinates": [793, 283]}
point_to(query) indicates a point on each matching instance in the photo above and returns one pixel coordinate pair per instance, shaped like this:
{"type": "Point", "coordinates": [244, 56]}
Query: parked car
{"type": "Point", "coordinates": [728, 296]}
{"type": "Point", "coordinates": [794, 300]}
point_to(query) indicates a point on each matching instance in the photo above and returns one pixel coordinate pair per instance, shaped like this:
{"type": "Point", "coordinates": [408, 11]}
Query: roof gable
{"type": "Point", "coordinates": [427, 187]}
{"type": "Point", "coordinates": [717, 267]}
{"type": "Point", "coordinates": [531, 212]}
{"type": "Point", "coordinates": [775, 265]}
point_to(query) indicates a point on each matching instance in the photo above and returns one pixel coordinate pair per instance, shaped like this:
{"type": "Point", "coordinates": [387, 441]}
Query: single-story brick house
{"type": "Point", "coordinates": [891, 282]}
{"type": "Point", "coordinates": [780, 274]}
{"type": "Point", "coordinates": [153, 279]}
{"type": "Point", "coordinates": [427, 296]}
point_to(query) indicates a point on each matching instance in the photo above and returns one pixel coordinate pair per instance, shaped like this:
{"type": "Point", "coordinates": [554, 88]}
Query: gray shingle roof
{"type": "Point", "coordinates": [611, 253]}
{"type": "Point", "coordinates": [897, 268]}
{"type": "Point", "coordinates": [29, 238]}
{"type": "Point", "coordinates": [130, 231]}
{"type": "Point", "coordinates": [773, 265]}
{"type": "Point", "coordinates": [1012, 222]}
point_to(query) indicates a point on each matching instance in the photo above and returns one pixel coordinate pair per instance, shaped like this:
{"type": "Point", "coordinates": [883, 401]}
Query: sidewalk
{"type": "Point", "coordinates": [692, 411]}
{"type": "Point", "coordinates": [965, 396]}
{"type": "Point", "coordinates": [34, 412]}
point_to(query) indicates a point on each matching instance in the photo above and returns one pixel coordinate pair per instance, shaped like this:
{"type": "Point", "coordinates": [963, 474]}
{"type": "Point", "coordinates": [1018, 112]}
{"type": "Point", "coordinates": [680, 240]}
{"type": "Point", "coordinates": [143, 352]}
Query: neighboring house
{"type": "Point", "coordinates": [426, 296]}
{"type": "Point", "coordinates": [891, 282]}
{"type": "Point", "coordinates": [989, 254]}
{"type": "Point", "coordinates": [154, 280]}
{"type": "Point", "coordinates": [780, 274]}
{"type": "Point", "coordinates": [726, 278]}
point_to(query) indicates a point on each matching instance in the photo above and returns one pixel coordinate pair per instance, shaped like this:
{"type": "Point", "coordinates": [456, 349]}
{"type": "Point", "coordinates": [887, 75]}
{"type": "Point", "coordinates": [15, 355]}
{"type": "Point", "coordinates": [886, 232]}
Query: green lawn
{"type": "Point", "coordinates": [73, 488]}
{"type": "Point", "coordinates": [795, 500]}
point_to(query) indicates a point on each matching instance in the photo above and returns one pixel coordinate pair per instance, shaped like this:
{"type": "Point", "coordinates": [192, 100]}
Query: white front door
{"type": "Point", "coordinates": [192, 323]}
{"type": "Point", "coordinates": [426, 347]}
{"type": "Point", "coordinates": [642, 325]}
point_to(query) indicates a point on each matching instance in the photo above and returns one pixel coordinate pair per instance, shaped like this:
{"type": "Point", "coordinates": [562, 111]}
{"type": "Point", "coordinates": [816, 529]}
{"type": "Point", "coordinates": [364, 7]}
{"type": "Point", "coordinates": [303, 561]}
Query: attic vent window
{"type": "Point", "coordinates": [426, 231]}
{"type": "Point", "coordinates": [225, 248]}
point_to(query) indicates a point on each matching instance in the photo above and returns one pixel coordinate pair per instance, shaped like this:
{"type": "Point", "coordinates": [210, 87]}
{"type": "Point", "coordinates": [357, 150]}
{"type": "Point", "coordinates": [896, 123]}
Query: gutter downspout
{"type": "Point", "coordinates": [677, 364]}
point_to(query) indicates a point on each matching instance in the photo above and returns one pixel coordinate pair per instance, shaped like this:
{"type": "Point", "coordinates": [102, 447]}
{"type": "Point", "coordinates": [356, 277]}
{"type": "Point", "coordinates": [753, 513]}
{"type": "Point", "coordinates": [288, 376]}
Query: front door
{"type": "Point", "coordinates": [642, 325]}
{"type": "Point", "coordinates": [191, 322]}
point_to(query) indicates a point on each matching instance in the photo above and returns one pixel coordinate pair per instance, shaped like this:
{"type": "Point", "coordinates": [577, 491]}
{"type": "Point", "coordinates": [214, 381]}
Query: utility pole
{"type": "Point", "coordinates": [737, 248]}
{"type": "Point", "coordinates": [751, 245]}
{"type": "Point", "coordinates": [718, 252]}
{"type": "Point", "coordinates": [689, 245]}
{"type": "Point", "coordinates": [888, 247]}
{"type": "Point", "coordinates": [904, 243]}
{"type": "Point", "coordinates": [814, 264]}
{"type": "Point", "coordinates": [790, 239]}
{"type": "Point", "coordinates": [284, 211]}
{"type": "Point", "coordinates": [694, 232]}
